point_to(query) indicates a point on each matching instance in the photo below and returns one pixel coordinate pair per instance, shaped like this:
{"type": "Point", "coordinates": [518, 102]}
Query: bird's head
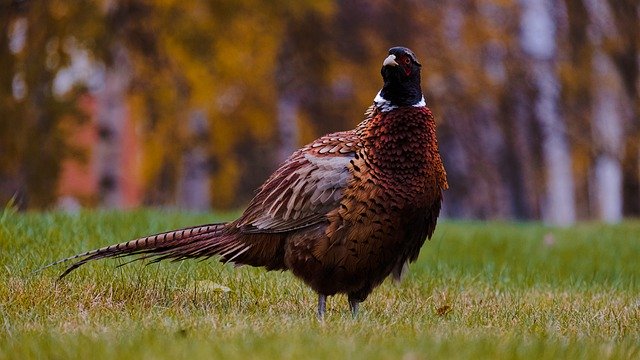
{"type": "Point", "coordinates": [401, 75]}
{"type": "Point", "coordinates": [401, 64]}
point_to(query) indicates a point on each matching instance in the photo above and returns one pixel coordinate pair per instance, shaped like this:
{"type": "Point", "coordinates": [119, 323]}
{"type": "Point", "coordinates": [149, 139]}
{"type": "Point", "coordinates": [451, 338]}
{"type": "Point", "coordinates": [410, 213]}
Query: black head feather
{"type": "Point", "coordinates": [401, 75]}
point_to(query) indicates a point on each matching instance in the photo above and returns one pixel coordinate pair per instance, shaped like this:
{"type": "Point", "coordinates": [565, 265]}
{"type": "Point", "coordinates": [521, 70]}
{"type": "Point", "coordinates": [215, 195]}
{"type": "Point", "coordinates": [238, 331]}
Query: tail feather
{"type": "Point", "coordinates": [191, 242]}
{"type": "Point", "coordinates": [203, 246]}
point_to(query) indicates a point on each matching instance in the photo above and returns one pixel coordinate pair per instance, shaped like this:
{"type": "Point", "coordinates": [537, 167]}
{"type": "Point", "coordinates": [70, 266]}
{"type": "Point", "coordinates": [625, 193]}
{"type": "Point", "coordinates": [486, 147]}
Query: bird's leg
{"type": "Point", "coordinates": [322, 304]}
{"type": "Point", "coordinates": [353, 305]}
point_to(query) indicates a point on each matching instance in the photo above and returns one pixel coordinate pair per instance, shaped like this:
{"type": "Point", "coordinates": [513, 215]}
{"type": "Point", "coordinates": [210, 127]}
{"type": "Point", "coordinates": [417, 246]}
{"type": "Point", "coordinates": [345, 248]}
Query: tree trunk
{"type": "Point", "coordinates": [525, 166]}
{"type": "Point", "coordinates": [482, 191]}
{"type": "Point", "coordinates": [607, 117]}
{"type": "Point", "coordinates": [288, 108]}
{"type": "Point", "coordinates": [112, 113]}
{"type": "Point", "coordinates": [608, 139]}
{"type": "Point", "coordinates": [193, 189]}
{"type": "Point", "coordinates": [537, 39]}
{"type": "Point", "coordinates": [290, 86]}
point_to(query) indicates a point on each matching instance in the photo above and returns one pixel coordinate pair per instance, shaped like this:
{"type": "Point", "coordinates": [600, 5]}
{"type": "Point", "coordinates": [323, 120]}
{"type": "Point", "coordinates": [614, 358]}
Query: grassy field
{"type": "Point", "coordinates": [478, 291]}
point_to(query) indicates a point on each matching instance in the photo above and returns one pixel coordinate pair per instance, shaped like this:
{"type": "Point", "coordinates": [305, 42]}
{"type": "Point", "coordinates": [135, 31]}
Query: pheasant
{"type": "Point", "coordinates": [342, 213]}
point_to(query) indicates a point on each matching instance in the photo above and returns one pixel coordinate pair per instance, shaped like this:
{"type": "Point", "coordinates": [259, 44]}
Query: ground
{"type": "Point", "coordinates": [479, 290]}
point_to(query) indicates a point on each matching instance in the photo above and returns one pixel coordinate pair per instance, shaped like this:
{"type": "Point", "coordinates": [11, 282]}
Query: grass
{"type": "Point", "coordinates": [478, 291]}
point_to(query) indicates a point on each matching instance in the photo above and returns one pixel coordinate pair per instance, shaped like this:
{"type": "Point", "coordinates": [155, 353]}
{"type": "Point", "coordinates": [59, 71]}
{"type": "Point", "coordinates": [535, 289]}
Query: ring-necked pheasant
{"type": "Point", "coordinates": [343, 212]}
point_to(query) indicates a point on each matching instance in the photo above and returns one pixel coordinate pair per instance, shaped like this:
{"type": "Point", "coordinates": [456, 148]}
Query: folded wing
{"type": "Point", "coordinates": [303, 190]}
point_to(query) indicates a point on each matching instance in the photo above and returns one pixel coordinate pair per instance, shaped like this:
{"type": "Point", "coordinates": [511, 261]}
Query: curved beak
{"type": "Point", "coordinates": [390, 60]}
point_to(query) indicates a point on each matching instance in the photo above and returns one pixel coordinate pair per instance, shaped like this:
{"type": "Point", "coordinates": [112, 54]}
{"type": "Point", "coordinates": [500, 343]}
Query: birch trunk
{"type": "Point", "coordinates": [607, 136]}
{"type": "Point", "coordinates": [537, 39]}
{"type": "Point", "coordinates": [112, 113]}
{"type": "Point", "coordinates": [607, 118]}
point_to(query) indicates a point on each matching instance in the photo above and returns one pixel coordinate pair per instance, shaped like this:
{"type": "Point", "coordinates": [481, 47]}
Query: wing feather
{"type": "Point", "coordinates": [304, 189]}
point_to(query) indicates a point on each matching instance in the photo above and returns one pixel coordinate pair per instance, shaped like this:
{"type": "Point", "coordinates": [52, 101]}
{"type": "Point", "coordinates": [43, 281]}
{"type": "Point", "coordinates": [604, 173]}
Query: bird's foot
{"type": "Point", "coordinates": [354, 305]}
{"type": "Point", "coordinates": [322, 305]}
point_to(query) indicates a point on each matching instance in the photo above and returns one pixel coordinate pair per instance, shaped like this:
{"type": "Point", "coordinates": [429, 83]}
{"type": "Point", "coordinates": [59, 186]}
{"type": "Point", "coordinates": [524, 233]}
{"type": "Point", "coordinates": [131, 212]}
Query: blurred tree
{"type": "Point", "coordinates": [600, 83]}
{"type": "Point", "coordinates": [538, 40]}
{"type": "Point", "coordinates": [112, 114]}
{"type": "Point", "coordinates": [35, 121]}
{"type": "Point", "coordinates": [607, 115]}
{"type": "Point", "coordinates": [193, 187]}
{"type": "Point", "coordinates": [302, 64]}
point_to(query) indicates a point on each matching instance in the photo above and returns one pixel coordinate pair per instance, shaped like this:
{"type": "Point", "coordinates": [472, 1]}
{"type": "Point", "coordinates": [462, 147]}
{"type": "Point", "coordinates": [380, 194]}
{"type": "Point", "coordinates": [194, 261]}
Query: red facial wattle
{"type": "Point", "coordinates": [405, 62]}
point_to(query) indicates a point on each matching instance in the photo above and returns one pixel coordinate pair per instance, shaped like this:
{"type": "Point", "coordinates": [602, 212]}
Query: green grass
{"type": "Point", "coordinates": [479, 290]}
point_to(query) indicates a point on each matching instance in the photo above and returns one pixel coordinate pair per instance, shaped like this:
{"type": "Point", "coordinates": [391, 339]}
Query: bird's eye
{"type": "Point", "coordinates": [407, 60]}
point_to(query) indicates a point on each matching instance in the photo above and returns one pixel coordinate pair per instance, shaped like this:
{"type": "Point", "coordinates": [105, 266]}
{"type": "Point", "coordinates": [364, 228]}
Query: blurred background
{"type": "Point", "coordinates": [192, 104]}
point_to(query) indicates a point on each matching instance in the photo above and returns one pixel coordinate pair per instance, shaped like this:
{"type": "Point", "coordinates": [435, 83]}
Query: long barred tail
{"type": "Point", "coordinates": [192, 242]}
